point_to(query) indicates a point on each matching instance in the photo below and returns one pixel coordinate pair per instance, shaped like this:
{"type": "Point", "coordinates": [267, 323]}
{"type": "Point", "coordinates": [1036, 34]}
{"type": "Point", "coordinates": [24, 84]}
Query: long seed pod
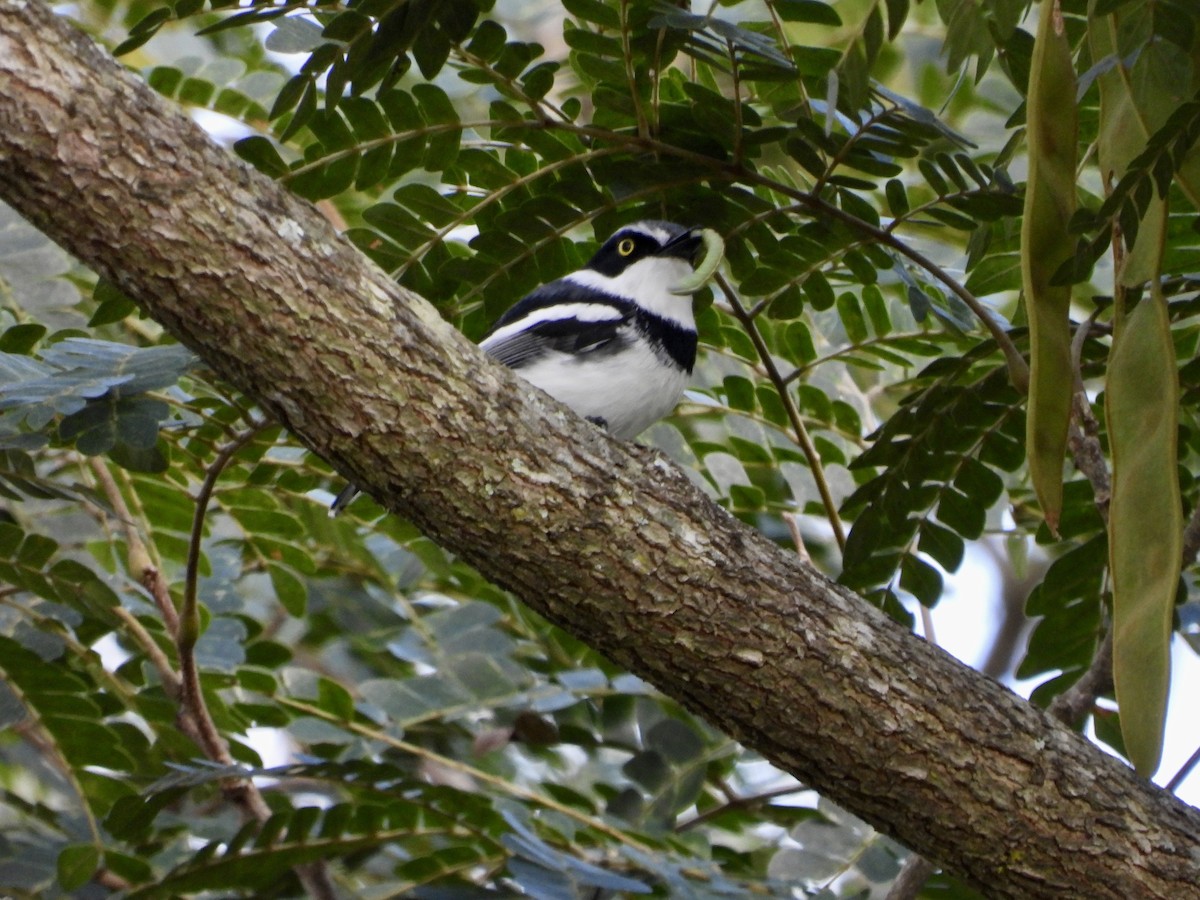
{"type": "Point", "coordinates": [1145, 532]}
{"type": "Point", "coordinates": [1045, 245]}
{"type": "Point", "coordinates": [1142, 406]}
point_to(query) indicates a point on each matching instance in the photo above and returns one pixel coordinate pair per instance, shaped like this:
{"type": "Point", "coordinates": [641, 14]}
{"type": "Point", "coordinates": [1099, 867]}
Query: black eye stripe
{"type": "Point", "coordinates": [622, 250]}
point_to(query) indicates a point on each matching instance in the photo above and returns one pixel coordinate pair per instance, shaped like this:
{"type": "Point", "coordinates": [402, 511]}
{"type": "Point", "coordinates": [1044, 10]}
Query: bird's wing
{"type": "Point", "coordinates": [562, 317]}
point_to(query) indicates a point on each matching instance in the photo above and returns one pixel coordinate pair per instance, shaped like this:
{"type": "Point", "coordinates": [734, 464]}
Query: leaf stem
{"type": "Point", "coordinates": [737, 802]}
{"type": "Point", "coordinates": [798, 427]}
{"type": "Point", "coordinates": [195, 720]}
{"type": "Point", "coordinates": [643, 126]}
{"type": "Point", "coordinates": [139, 561]}
{"type": "Point", "coordinates": [192, 698]}
{"type": "Point", "coordinates": [495, 781]}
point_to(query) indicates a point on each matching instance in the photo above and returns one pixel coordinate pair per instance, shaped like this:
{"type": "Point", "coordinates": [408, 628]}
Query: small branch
{"type": "Point", "coordinates": [158, 659]}
{"type": "Point", "coordinates": [752, 801]}
{"type": "Point", "coordinates": [913, 875]}
{"type": "Point", "coordinates": [190, 614]}
{"type": "Point", "coordinates": [1179, 777]}
{"type": "Point", "coordinates": [1073, 704]}
{"type": "Point", "coordinates": [139, 562]}
{"type": "Point", "coordinates": [194, 715]}
{"type": "Point", "coordinates": [1084, 444]}
{"type": "Point", "coordinates": [503, 785]}
{"type": "Point", "coordinates": [793, 526]}
{"type": "Point", "coordinates": [1083, 435]}
{"type": "Point", "coordinates": [798, 428]}
{"type": "Point", "coordinates": [1191, 538]}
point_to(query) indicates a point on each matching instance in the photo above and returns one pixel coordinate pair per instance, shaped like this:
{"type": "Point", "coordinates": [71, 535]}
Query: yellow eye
{"type": "Point", "coordinates": [625, 247]}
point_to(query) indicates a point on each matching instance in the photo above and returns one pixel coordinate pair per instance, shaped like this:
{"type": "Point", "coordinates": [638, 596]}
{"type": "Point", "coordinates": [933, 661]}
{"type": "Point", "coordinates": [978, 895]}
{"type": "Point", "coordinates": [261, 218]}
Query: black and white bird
{"type": "Point", "coordinates": [616, 340]}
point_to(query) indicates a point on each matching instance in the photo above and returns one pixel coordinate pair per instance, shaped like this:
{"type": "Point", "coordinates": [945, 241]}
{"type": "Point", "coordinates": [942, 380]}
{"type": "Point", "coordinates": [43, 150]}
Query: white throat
{"type": "Point", "coordinates": [648, 284]}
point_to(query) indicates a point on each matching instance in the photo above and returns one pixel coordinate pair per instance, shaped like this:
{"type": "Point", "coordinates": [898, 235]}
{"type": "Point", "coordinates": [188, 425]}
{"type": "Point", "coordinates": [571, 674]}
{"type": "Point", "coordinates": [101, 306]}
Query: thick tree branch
{"type": "Point", "coordinates": [609, 541]}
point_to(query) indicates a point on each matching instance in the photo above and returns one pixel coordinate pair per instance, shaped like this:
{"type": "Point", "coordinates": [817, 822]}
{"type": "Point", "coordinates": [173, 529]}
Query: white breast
{"type": "Point", "coordinates": [629, 390]}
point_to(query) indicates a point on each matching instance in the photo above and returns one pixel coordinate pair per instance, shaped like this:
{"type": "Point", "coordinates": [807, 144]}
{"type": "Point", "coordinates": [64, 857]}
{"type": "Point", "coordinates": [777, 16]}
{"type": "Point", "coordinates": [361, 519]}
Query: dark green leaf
{"type": "Point", "coordinates": [21, 339]}
{"type": "Point", "coordinates": [76, 865]}
{"type": "Point", "coordinates": [815, 11]}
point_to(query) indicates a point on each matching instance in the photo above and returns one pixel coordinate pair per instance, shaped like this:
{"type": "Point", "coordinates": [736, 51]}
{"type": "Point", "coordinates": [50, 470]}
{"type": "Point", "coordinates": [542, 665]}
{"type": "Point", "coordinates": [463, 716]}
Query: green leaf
{"type": "Point", "coordinates": [739, 393]}
{"type": "Point", "coordinates": [852, 318]}
{"type": "Point", "coordinates": [21, 339]}
{"type": "Point", "coordinates": [815, 12]}
{"type": "Point", "coordinates": [291, 591]}
{"type": "Point", "coordinates": [979, 483]}
{"type": "Point", "coordinates": [817, 290]}
{"type": "Point", "coordinates": [261, 153]}
{"type": "Point", "coordinates": [942, 544]}
{"type": "Point", "coordinates": [921, 580]}
{"type": "Point", "coordinates": [678, 743]}
{"type": "Point", "coordinates": [995, 273]}
{"type": "Point", "coordinates": [897, 197]}
{"type": "Point", "coordinates": [962, 514]}
{"type": "Point", "coordinates": [593, 11]}
{"type": "Point", "coordinates": [294, 35]}
{"type": "Point", "coordinates": [76, 865]}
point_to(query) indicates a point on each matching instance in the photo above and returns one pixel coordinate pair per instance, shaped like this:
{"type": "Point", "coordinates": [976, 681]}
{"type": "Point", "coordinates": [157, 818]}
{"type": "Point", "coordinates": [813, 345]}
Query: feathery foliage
{"type": "Point", "coordinates": [862, 392]}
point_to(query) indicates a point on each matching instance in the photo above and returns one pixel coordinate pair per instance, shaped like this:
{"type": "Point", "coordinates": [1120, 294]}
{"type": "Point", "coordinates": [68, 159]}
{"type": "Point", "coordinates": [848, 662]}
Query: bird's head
{"type": "Point", "coordinates": [649, 246]}
{"type": "Point", "coordinates": [643, 262]}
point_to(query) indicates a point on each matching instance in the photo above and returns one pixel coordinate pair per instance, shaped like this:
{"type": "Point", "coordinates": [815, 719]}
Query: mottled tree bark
{"type": "Point", "coordinates": [607, 540]}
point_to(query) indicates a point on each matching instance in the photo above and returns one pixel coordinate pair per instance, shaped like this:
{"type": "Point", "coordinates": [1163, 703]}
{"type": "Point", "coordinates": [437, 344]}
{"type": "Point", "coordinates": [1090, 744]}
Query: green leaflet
{"type": "Point", "coordinates": [1045, 245]}
{"type": "Point", "coordinates": [1145, 535]}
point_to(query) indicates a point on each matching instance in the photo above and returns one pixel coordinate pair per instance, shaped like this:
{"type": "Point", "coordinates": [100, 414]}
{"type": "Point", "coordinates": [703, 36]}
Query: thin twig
{"type": "Point", "coordinates": [793, 526]}
{"type": "Point", "coordinates": [1073, 704]}
{"type": "Point", "coordinates": [1191, 538]}
{"type": "Point", "coordinates": [190, 614]}
{"type": "Point", "coordinates": [916, 871]}
{"type": "Point", "coordinates": [193, 709]}
{"type": "Point", "coordinates": [1179, 777]}
{"type": "Point", "coordinates": [798, 428]}
{"type": "Point", "coordinates": [154, 653]}
{"type": "Point", "coordinates": [194, 715]}
{"type": "Point", "coordinates": [1083, 436]}
{"type": "Point", "coordinates": [751, 801]}
{"type": "Point", "coordinates": [138, 562]}
{"type": "Point", "coordinates": [449, 764]}
{"type": "Point", "coordinates": [1084, 444]}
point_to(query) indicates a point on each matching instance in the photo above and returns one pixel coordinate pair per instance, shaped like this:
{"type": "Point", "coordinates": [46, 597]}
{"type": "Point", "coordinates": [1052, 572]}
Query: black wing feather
{"type": "Point", "coordinates": [565, 335]}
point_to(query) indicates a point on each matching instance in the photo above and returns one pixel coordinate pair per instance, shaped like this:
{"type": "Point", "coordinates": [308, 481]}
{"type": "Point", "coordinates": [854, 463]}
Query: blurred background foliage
{"type": "Point", "coordinates": [407, 723]}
